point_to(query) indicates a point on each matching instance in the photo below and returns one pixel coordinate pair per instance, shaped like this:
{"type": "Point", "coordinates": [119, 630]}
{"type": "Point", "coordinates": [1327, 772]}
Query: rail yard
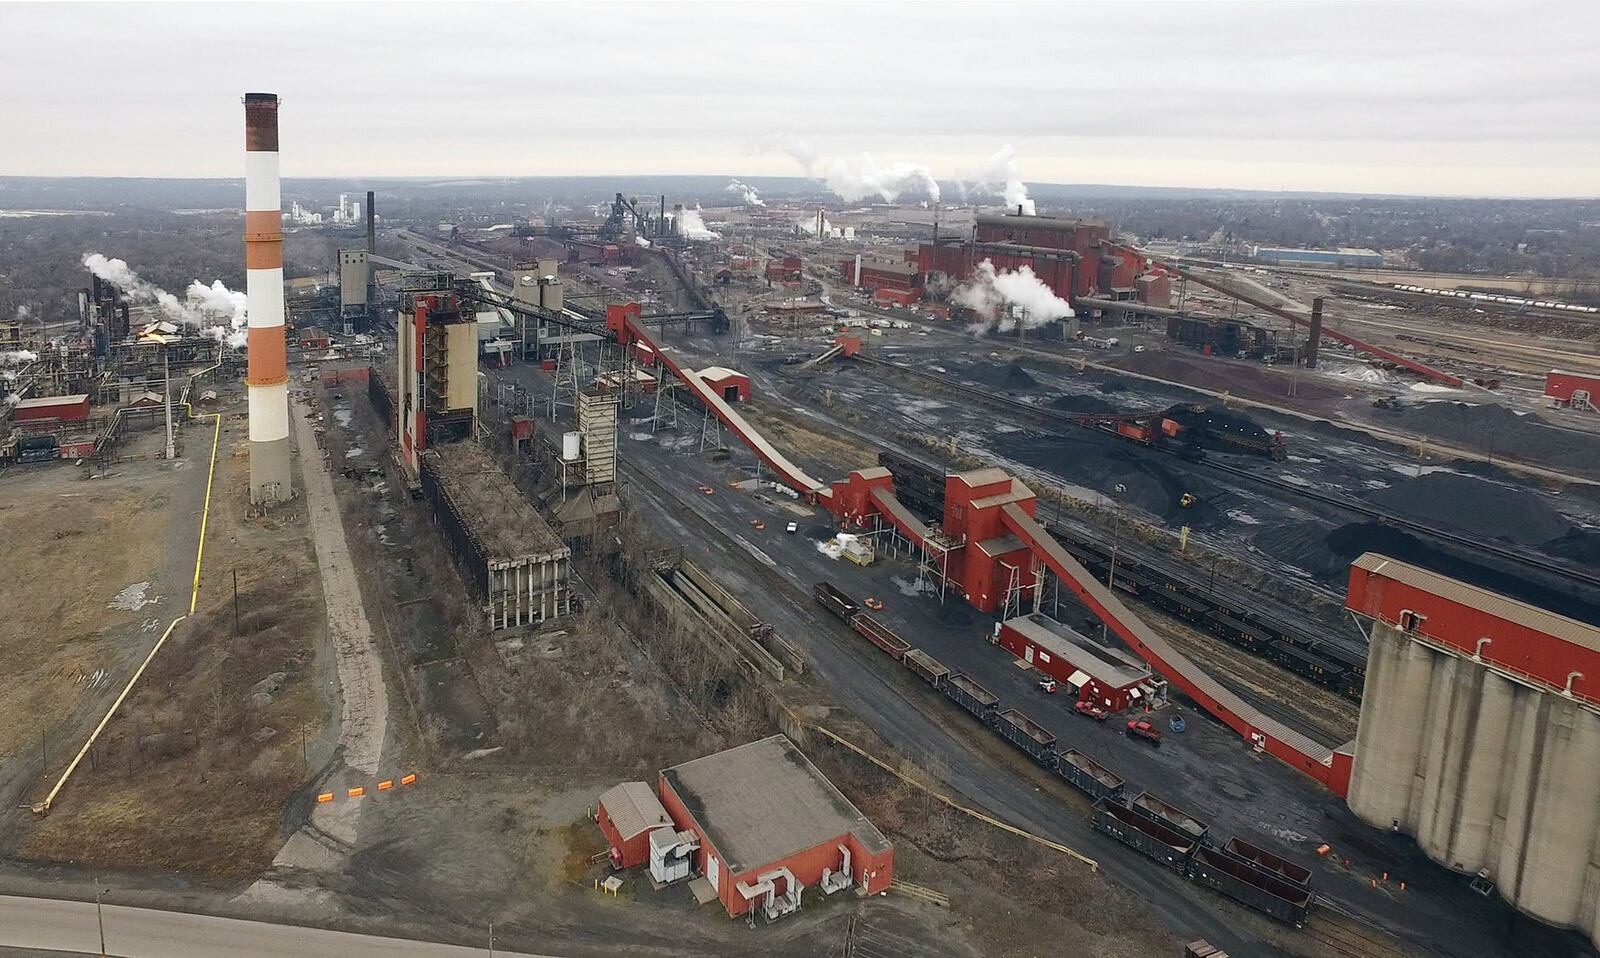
{"type": "Point", "coordinates": [809, 577]}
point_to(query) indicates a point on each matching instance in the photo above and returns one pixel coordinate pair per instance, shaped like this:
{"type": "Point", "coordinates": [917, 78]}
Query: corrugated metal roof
{"type": "Point", "coordinates": [41, 402]}
{"type": "Point", "coordinates": [633, 808]}
{"type": "Point", "coordinates": [1490, 603]}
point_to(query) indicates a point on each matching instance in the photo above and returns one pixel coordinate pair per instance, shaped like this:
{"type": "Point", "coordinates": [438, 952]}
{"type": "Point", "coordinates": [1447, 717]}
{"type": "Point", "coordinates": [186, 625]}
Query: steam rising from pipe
{"type": "Point", "coordinates": [691, 226]}
{"type": "Point", "coordinates": [18, 357]}
{"type": "Point", "coordinates": [998, 174]}
{"type": "Point", "coordinates": [747, 193]}
{"type": "Point", "coordinates": [215, 310]}
{"type": "Point", "coordinates": [1003, 300]}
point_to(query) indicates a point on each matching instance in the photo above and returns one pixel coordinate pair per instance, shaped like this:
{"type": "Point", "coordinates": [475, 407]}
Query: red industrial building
{"type": "Point", "coordinates": [313, 337]}
{"type": "Point", "coordinates": [785, 270]}
{"type": "Point", "coordinates": [1111, 679]}
{"type": "Point", "coordinates": [627, 814]}
{"type": "Point", "coordinates": [1577, 390]}
{"type": "Point", "coordinates": [61, 408]}
{"type": "Point", "coordinates": [769, 824]}
{"type": "Point", "coordinates": [889, 282]}
{"type": "Point", "coordinates": [1074, 257]}
{"type": "Point", "coordinates": [730, 384]}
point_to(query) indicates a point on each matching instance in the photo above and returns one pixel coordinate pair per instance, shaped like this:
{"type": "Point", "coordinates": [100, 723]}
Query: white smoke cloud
{"type": "Point", "coordinates": [1004, 299]}
{"type": "Point", "coordinates": [642, 241]}
{"type": "Point", "coordinates": [747, 193]}
{"type": "Point", "coordinates": [855, 178]}
{"type": "Point", "coordinates": [215, 310]}
{"type": "Point", "coordinates": [809, 225]}
{"type": "Point", "coordinates": [23, 313]}
{"type": "Point", "coordinates": [691, 226]}
{"type": "Point", "coordinates": [998, 174]}
{"type": "Point", "coordinates": [18, 357]}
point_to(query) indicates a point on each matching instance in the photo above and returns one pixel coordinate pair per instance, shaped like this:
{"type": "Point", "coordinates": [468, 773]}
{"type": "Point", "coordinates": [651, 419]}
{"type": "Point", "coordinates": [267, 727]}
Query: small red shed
{"type": "Point", "coordinates": [1111, 679]}
{"type": "Point", "coordinates": [1578, 390]}
{"type": "Point", "coordinates": [68, 408]}
{"type": "Point", "coordinates": [731, 385]}
{"type": "Point", "coordinates": [627, 815]}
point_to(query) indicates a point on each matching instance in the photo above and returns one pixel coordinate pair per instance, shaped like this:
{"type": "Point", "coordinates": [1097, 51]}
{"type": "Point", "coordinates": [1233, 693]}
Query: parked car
{"type": "Point", "coordinates": [1139, 728]}
{"type": "Point", "coordinates": [1090, 710]}
{"type": "Point", "coordinates": [793, 528]}
{"type": "Point", "coordinates": [1047, 685]}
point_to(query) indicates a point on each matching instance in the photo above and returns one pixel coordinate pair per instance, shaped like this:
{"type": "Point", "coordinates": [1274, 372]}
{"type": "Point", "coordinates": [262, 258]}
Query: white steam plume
{"type": "Point", "coordinates": [1002, 300]}
{"type": "Point", "coordinates": [215, 310]}
{"type": "Point", "coordinates": [23, 312]}
{"type": "Point", "coordinates": [797, 149]}
{"type": "Point", "coordinates": [998, 174]}
{"type": "Point", "coordinates": [747, 193]}
{"type": "Point", "coordinates": [691, 226]}
{"type": "Point", "coordinates": [642, 241]}
{"type": "Point", "coordinates": [18, 357]}
{"type": "Point", "coordinates": [809, 225]}
{"type": "Point", "coordinates": [855, 178]}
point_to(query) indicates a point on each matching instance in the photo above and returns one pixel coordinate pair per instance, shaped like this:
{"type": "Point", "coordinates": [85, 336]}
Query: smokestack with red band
{"type": "Point", "coordinates": [267, 376]}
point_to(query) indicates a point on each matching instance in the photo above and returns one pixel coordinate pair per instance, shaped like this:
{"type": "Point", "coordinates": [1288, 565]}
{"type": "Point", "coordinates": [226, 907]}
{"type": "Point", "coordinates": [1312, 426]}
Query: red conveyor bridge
{"type": "Point", "coordinates": [989, 530]}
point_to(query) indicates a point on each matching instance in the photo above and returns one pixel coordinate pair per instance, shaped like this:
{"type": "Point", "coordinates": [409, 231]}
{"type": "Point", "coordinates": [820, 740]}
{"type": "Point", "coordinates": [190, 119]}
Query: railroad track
{"type": "Point", "coordinates": [1356, 507]}
{"type": "Point", "coordinates": [1349, 935]}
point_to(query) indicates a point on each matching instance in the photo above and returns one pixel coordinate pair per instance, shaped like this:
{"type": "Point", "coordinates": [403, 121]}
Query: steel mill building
{"type": "Point", "coordinates": [759, 824]}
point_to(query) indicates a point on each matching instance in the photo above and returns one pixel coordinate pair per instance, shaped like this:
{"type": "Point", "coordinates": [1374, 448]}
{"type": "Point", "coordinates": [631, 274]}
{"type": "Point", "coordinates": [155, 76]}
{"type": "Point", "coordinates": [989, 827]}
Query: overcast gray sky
{"type": "Point", "coordinates": [1498, 98]}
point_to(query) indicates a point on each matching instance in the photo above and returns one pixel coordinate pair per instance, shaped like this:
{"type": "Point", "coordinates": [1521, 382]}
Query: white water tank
{"type": "Point", "coordinates": [569, 446]}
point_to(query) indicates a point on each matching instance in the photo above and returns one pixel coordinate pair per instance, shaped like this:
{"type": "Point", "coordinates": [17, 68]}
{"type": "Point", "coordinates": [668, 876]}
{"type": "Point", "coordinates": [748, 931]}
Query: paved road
{"type": "Point", "coordinates": [70, 926]}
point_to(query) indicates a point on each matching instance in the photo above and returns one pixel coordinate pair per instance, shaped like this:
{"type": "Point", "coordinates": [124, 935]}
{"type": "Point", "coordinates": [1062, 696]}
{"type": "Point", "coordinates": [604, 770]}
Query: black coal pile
{"type": "Point", "coordinates": [1153, 484]}
{"type": "Point", "coordinates": [1009, 376]}
{"type": "Point", "coordinates": [1474, 505]}
{"type": "Point", "coordinates": [1497, 430]}
{"type": "Point", "coordinates": [1113, 384]}
{"type": "Point", "coordinates": [1079, 403]}
{"type": "Point", "coordinates": [1561, 597]}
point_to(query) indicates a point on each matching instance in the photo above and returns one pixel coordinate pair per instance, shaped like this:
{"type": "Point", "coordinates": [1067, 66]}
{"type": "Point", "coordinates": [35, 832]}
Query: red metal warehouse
{"type": "Point", "coordinates": [770, 825]}
{"type": "Point", "coordinates": [1094, 673]}
{"type": "Point", "coordinates": [1577, 390]}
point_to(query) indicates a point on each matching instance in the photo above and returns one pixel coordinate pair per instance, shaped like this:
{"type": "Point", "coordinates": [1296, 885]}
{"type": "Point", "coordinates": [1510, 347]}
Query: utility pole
{"type": "Point", "coordinates": [166, 394]}
{"type": "Point", "coordinates": [99, 914]}
{"type": "Point", "coordinates": [491, 939]}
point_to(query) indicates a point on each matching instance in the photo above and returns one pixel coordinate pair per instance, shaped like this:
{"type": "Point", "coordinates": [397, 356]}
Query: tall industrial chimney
{"type": "Point", "coordinates": [267, 376]}
{"type": "Point", "coordinates": [1314, 339]}
{"type": "Point", "coordinates": [372, 224]}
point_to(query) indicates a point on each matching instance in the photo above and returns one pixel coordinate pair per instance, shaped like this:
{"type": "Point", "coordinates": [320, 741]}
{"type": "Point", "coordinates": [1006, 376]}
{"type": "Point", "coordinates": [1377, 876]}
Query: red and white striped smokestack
{"type": "Point", "coordinates": [268, 376]}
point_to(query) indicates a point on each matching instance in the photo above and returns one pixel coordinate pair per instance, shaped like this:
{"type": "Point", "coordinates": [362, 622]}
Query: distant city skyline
{"type": "Point", "coordinates": [1409, 98]}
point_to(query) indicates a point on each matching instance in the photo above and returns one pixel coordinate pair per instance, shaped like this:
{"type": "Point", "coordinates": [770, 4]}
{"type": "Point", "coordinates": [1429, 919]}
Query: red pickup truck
{"type": "Point", "coordinates": [1138, 728]}
{"type": "Point", "coordinates": [1090, 710]}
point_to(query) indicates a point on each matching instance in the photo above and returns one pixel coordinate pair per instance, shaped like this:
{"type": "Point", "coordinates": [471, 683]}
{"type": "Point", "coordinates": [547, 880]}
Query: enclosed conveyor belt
{"type": "Point", "coordinates": [792, 474]}
{"type": "Point", "coordinates": [1262, 731]}
{"type": "Point", "coordinates": [896, 512]}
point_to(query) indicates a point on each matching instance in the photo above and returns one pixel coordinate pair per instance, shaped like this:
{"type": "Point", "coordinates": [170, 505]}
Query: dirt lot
{"type": "Point", "coordinates": [196, 771]}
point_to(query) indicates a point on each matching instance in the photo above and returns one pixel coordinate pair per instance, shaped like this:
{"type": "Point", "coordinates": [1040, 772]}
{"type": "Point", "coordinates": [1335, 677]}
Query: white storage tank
{"type": "Point", "coordinates": [570, 442]}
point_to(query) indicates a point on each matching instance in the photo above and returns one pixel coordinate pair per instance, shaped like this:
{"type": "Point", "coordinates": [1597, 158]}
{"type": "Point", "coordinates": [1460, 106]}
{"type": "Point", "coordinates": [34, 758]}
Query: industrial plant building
{"type": "Point", "coordinates": [519, 567]}
{"type": "Point", "coordinates": [1480, 736]}
{"type": "Point", "coordinates": [1074, 257]}
{"type": "Point", "coordinates": [1099, 674]}
{"type": "Point", "coordinates": [1573, 390]}
{"type": "Point", "coordinates": [769, 826]}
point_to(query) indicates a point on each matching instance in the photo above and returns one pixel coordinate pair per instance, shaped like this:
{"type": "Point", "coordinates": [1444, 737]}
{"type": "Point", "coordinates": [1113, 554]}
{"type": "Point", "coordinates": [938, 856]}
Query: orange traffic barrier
{"type": "Point", "coordinates": [357, 792]}
{"type": "Point", "coordinates": [325, 797]}
{"type": "Point", "coordinates": [1402, 886]}
{"type": "Point", "coordinates": [1385, 876]}
{"type": "Point", "coordinates": [408, 779]}
{"type": "Point", "coordinates": [1322, 849]}
{"type": "Point", "coordinates": [385, 785]}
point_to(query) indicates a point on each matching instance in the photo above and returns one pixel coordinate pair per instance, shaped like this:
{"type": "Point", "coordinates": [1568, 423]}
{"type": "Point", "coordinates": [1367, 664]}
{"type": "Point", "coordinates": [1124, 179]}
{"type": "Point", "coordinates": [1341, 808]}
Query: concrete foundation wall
{"type": "Point", "coordinates": [1488, 773]}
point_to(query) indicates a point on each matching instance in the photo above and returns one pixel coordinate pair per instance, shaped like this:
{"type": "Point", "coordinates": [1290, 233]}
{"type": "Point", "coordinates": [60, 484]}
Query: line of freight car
{"type": "Point", "coordinates": [1158, 829]}
{"type": "Point", "coordinates": [1241, 871]}
{"type": "Point", "coordinates": [1471, 542]}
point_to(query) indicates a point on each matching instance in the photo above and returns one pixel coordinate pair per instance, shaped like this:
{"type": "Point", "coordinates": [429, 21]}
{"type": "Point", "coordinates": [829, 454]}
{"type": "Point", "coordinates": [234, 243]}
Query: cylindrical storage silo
{"type": "Point", "coordinates": [1565, 815]}
{"type": "Point", "coordinates": [570, 443]}
{"type": "Point", "coordinates": [1394, 709]}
